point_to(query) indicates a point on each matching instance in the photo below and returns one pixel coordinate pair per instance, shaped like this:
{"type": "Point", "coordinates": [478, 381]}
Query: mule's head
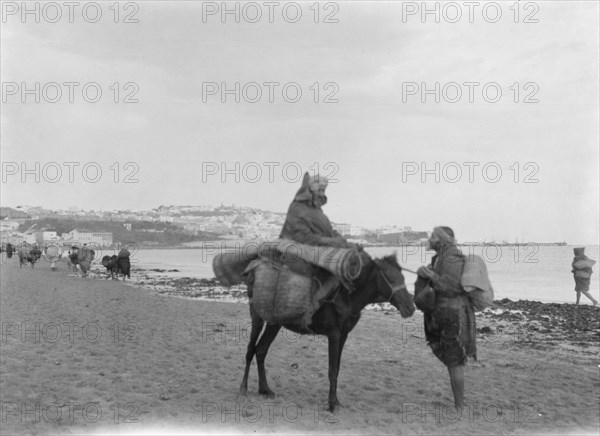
{"type": "Point", "coordinates": [391, 286]}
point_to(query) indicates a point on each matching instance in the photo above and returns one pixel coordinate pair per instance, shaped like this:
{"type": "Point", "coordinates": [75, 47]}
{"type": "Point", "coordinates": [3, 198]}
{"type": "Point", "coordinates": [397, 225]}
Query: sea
{"type": "Point", "coordinates": [523, 272]}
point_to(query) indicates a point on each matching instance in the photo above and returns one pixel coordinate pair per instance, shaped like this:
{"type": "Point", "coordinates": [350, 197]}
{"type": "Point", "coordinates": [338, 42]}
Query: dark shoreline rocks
{"type": "Point", "coordinates": [525, 321]}
{"type": "Point", "coordinates": [539, 321]}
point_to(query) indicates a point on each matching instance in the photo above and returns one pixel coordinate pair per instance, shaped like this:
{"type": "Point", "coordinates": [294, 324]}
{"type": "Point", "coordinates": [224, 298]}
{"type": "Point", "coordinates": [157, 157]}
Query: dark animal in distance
{"type": "Point", "coordinates": [111, 265]}
{"type": "Point", "coordinates": [380, 280]}
{"type": "Point", "coordinates": [124, 263]}
{"type": "Point", "coordinates": [74, 260]}
{"type": "Point", "coordinates": [29, 255]}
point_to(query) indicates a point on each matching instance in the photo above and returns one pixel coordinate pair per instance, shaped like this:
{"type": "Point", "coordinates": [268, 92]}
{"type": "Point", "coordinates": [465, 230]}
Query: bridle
{"type": "Point", "coordinates": [393, 289]}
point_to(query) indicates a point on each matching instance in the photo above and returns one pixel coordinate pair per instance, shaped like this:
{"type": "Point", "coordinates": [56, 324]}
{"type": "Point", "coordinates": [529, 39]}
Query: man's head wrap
{"type": "Point", "coordinates": [445, 234]}
{"type": "Point", "coordinates": [317, 181]}
{"type": "Point", "coordinates": [579, 251]}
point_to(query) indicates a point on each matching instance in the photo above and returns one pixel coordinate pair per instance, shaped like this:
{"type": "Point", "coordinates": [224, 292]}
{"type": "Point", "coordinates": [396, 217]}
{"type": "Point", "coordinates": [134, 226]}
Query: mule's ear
{"type": "Point", "coordinates": [392, 258]}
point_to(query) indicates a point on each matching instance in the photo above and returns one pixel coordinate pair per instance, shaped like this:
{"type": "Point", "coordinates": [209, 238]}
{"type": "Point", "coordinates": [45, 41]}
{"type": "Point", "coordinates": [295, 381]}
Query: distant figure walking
{"type": "Point", "coordinates": [9, 250]}
{"type": "Point", "coordinates": [582, 273]}
{"type": "Point", "coordinates": [123, 263]}
{"type": "Point", "coordinates": [85, 257]}
{"type": "Point", "coordinates": [53, 254]}
{"type": "Point", "coordinates": [74, 258]}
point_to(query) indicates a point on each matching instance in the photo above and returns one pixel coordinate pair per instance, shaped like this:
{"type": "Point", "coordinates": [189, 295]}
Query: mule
{"type": "Point", "coordinates": [124, 266]}
{"type": "Point", "coordinates": [29, 255]}
{"type": "Point", "coordinates": [111, 265]}
{"type": "Point", "coordinates": [380, 280]}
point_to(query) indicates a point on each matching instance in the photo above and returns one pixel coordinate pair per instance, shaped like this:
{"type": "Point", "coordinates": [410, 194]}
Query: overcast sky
{"type": "Point", "coordinates": [373, 137]}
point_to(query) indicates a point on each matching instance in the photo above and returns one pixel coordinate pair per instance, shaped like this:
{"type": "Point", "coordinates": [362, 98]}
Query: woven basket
{"type": "Point", "coordinates": [230, 266]}
{"type": "Point", "coordinates": [280, 295]}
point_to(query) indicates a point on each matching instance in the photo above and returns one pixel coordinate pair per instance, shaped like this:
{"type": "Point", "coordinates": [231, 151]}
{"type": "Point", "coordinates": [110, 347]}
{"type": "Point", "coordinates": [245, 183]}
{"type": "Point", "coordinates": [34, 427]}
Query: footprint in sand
{"type": "Point", "coordinates": [372, 388]}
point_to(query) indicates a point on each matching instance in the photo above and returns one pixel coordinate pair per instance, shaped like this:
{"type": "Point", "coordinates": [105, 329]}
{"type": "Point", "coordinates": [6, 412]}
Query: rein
{"type": "Point", "coordinates": [393, 289]}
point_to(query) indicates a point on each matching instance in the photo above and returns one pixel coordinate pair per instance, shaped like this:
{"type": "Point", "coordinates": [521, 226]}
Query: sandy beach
{"type": "Point", "coordinates": [96, 356]}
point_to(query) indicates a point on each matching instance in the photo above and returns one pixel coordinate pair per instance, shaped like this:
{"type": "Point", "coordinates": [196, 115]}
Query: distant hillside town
{"type": "Point", "coordinates": [168, 226]}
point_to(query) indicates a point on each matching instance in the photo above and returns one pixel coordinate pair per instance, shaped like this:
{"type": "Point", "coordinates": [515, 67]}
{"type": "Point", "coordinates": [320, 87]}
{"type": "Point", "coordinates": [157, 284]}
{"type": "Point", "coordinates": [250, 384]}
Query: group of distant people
{"type": "Point", "coordinates": [79, 260]}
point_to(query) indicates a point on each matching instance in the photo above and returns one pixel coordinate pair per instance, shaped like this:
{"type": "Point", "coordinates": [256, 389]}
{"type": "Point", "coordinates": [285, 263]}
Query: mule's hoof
{"type": "Point", "coordinates": [333, 405]}
{"type": "Point", "coordinates": [243, 391]}
{"type": "Point", "coordinates": [266, 392]}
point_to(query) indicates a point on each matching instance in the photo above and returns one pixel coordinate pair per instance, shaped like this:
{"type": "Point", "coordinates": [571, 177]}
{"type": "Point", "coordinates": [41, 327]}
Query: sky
{"type": "Point", "coordinates": [519, 160]}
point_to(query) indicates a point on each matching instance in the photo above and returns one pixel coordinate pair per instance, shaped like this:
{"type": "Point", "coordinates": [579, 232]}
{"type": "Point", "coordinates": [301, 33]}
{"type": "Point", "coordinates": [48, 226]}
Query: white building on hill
{"type": "Point", "coordinates": [87, 237]}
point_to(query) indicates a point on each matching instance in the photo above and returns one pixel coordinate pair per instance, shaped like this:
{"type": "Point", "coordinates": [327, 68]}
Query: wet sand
{"type": "Point", "coordinates": [96, 356]}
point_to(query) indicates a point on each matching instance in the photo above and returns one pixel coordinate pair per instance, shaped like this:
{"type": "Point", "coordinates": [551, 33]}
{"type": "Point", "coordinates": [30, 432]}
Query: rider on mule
{"type": "Point", "coordinates": [306, 223]}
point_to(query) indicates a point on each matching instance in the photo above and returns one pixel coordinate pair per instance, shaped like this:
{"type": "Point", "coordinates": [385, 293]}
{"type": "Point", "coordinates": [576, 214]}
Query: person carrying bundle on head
{"type": "Point", "coordinates": [582, 273]}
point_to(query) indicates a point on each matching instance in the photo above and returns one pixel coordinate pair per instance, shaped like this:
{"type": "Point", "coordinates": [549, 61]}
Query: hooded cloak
{"type": "Point", "coordinates": [305, 221]}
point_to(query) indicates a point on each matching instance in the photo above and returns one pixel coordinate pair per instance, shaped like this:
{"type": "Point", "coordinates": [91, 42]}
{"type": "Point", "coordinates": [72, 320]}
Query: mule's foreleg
{"type": "Point", "coordinates": [262, 349]}
{"type": "Point", "coordinates": [343, 337]}
{"type": "Point", "coordinates": [257, 325]}
{"type": "Point", "coordinates": [334, 340]}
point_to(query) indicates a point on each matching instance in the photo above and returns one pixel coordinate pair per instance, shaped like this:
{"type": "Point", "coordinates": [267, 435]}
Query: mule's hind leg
{"type": "Point", "coordinates": [262, 349]}
{"type": "Point", "coordinates": [257, 325]}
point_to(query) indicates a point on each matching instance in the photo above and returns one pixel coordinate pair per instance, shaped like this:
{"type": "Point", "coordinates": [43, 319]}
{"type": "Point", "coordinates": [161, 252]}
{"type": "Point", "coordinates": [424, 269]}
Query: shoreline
{"type": "Point", "coordinates": [232, 243]}
{"type": "Point", "coordinates": [525, 320]}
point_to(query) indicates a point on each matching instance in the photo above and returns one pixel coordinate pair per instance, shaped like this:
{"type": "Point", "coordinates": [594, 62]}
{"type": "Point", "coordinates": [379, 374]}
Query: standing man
{"type": "Point", "coordinates": [75, 258]}
{"type": "Point", "coordinates": [582, 273]}
{"type": "Point", "coordinates": [448, 314]}
{"type": "Point", "coordinates": [85, 257]}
